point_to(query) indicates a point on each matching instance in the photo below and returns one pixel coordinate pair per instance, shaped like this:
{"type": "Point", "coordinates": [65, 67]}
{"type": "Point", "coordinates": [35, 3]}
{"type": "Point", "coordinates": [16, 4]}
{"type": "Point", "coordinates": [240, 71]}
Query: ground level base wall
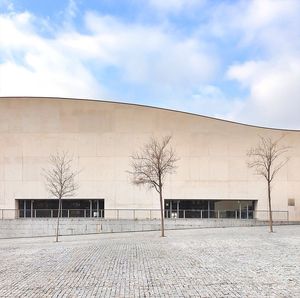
{"type": "Point", "coordinates": [46, 227]}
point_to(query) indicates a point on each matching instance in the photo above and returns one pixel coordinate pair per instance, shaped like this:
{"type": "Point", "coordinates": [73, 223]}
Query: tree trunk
{"type": "Point", "coordinates": [270, 208]}
{"type": "Point", "coordinates": [58, 216]}
{"type": "Point", "coordinates": [162, 213]}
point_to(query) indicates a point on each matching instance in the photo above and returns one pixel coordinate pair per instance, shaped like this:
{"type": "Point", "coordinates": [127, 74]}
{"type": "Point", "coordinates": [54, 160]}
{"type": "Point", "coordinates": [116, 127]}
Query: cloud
{"type": "Point", "coordinates": [38, 66]}
{"type": "Point", "coordinates": [175, 6]}
{"type": "Point", "coordinates": [271, 30]}
{"type": "Point", "coordinates": [274, 91]}
{"type": "Point", "coordinates": [144, 53]}
{"type": "Point", "coordinates": [7, 5]}
{"type": "Point", "coordinates": [252, 20]}
{"type": "Point", "coordinates": [207, 100]}
{"type": "Point", "coordinates": [72, 63]}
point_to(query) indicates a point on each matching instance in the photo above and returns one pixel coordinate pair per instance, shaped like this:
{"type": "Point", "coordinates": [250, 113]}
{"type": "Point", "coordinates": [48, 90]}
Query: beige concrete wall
{"type": "Point", "coordinates": [82, 226]}
{"type": "Point", "coordinates": [102, 135]}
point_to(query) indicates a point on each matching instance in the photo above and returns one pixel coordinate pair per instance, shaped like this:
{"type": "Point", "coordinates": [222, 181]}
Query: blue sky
{"type": "Point", "coordinates": [232, 59]}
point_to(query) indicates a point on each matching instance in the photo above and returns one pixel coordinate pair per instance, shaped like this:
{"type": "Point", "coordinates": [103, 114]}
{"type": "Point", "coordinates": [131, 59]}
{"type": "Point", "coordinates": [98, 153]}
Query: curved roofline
{"type": "Point", "coordinates": [152, 107]}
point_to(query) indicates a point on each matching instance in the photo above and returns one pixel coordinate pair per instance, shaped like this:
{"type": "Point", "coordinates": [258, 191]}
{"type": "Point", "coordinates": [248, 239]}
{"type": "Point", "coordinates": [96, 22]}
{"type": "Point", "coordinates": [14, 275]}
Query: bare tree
{"type": "Point", "coordinates": [60, 180]}
{"type": "Point", "coordinates": [266, 159]}
{"type": "Point", "coordinates": [151, 165]}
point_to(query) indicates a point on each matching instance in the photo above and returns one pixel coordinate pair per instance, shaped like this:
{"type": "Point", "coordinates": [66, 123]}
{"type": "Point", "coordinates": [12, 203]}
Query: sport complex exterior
{"type": "Point", "coordinates": [212, 178]}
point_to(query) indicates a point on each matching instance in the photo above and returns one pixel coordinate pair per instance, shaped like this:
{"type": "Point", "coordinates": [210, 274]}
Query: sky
{"type": "Point", "coordinates": [232, 59]}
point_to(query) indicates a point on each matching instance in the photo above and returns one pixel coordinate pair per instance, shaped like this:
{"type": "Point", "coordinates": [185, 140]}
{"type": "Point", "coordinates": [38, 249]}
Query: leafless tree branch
{"type": "Point", "coordinates": [152, 164]}
{"type": "Point", "coordinates": [60, 180]}
{"type": "Point", "coordinates": [265, 160]}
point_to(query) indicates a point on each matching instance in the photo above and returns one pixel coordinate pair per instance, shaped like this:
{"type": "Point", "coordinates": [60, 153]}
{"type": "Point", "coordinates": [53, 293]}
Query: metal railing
{"type": "Point", "coordinates": [229, 214]}
{"type": "Point", "coordinates": [135, 214]}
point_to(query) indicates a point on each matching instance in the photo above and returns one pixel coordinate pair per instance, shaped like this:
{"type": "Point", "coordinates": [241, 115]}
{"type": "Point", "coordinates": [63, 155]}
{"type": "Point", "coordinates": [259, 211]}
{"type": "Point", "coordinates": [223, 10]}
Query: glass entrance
{"type": "Point", "coordinates": [240, 209]}
{"type": "Point", "coordinates": [70, 208]}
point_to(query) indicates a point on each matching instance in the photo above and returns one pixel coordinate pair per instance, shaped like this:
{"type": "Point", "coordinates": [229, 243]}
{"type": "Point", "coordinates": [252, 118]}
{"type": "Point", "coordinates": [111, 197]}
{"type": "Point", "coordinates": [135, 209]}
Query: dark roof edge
{"type": "Point", "coordinates": [152, 107]}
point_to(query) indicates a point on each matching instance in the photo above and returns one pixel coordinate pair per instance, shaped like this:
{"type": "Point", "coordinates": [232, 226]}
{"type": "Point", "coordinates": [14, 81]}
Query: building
{"type": "Point", "coordinates": [212, 174]}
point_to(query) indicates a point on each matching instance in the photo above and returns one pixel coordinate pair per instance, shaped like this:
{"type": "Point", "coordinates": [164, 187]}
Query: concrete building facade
{"type": "Point", "coordinates": [212, 173]}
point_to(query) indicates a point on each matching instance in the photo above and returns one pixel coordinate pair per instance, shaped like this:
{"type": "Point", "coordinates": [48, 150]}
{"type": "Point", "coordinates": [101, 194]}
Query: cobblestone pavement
{"type": "Point", "coordinates": [230, 262]}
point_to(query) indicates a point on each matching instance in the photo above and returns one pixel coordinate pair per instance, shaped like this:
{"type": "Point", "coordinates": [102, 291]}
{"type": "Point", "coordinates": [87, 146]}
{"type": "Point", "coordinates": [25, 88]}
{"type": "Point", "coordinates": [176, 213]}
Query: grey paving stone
{"type": "Point", "coordinates": [229, 262]}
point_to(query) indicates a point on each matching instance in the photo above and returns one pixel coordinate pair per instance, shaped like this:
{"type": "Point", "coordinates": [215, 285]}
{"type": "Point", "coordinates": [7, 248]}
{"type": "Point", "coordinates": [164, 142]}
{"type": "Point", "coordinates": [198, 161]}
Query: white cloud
{"type": "Point", "coordinates": [174, 6]}
{"type": "Point", "coordinates": [255, 19]}
{"type": "Point", "coordinates": [274, 91]}
{"type": "Point", "coordinates": [273, 29]}
{"type": "Point", "coordinates": [7, 4]}
{"type": "Point", "coordinates": [207, 100]}
{"type": "Point", "coordinates": [19, 81]}
{"type": "Point", "coordinates": [59, 66]}
{"type": "Point", "coordinates": [147, 53]}
{"type": "Point", "coordinates": [34, 65]}
{"type": "Point", "coordinates": [70, 14]}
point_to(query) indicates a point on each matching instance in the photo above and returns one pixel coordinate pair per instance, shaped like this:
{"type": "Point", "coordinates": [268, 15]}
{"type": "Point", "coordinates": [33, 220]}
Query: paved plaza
{"type": "Point", "coordinates": [220, 262]}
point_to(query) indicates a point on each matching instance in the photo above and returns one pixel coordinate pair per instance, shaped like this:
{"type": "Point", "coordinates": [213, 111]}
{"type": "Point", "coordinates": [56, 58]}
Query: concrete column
{"type": "Point", "coordinates": [97, 208]}
{"type": "Point", "coordinates": [208, 209]}
{"type": "Point", "coordinates": [240, 210]}
{"type": "Point", "coordinates": [31, 208]}
{"type": "Point", "coordinates": [91, 208]}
